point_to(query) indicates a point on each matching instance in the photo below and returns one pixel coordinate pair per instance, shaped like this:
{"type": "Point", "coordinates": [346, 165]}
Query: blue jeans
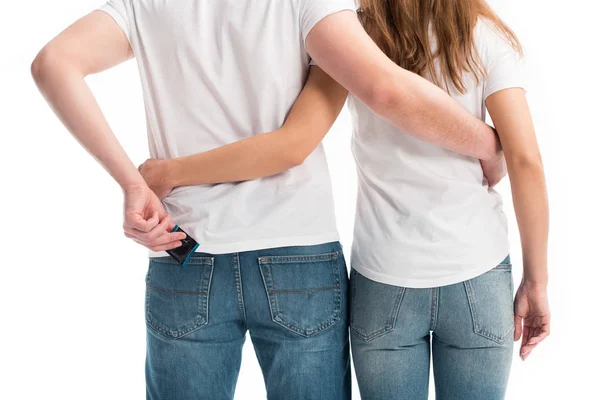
{"type": "Point", "coordinates": [292, 300]}
{"type": "Point", "coordinates": [466, 327]}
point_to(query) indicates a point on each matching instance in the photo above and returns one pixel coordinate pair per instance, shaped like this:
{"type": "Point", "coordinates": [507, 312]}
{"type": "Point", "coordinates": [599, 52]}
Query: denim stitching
{"type": "Point", "coordinates": [169, 292]}
{"type": "Point", "coordinates": [435, 304]}
{"type": "Point", "coordinates": [200, 320]}
{"type": "Point", "coordinates": [235, 261]}
{"type": "Point", "coordinates": [390, 324]}
{"type": "Point", "coordinates": [270, 283]}
{"type": "Point", "coordinates": [192, 261]}
{"type": "Point", "coordinates": [471, 299]}
{"type": "Point", "coordinates": [308, 292]}
{"type": "Point", "coordinates": [476, 328]}
{"type": "Point", "coordinates": [297, 259]}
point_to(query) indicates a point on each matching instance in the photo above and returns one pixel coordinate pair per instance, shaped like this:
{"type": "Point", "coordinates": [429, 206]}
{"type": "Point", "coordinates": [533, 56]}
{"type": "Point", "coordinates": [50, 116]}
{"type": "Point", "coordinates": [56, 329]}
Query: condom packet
{"type": "Point", "coordinates": [183, 253]}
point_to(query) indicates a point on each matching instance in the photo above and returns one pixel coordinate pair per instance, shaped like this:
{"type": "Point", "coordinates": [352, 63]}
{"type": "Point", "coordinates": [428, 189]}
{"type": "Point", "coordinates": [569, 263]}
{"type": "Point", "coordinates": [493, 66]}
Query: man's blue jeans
{"type": "Point", "coordinates": [466, 327]}
{"type": "Point", "coordinates": [292, 300]}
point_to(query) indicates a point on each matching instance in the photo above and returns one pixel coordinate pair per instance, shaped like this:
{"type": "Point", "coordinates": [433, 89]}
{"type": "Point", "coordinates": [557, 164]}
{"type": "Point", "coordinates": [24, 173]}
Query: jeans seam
{"type": "Point", "coordinates": [435, 294]}
{"type": "Point", "coordinates": [298, 259]}
{"type": "Point", "coordinates": [192, 261]}
{"type": "Point", "coordinates": [235, 261]}
{"type": "Point", "coordinates": [477, 329]}
{"type": "Point", "coordinates": [170, 291]}
{"type": "Point", "coordinates": [471, 300]}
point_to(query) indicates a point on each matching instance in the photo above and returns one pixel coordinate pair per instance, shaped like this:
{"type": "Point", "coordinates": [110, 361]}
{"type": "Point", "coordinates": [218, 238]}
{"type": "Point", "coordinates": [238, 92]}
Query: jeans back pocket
{"type": "Point", "coordinates": [304, 291]}
{"type": "Point", "coordinates": [374, 307]}
{"type": "Point", "coordinates": [176, 297]}
{"type": "Point", "coordinates": [490, 297]}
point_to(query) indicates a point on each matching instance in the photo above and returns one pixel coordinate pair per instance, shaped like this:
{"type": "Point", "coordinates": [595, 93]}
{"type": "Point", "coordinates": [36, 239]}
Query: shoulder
{"type": "Point", "coordinates": [491, 43]}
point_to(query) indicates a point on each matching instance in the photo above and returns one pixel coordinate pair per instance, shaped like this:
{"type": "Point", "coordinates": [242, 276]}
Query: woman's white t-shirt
{"type": "Point", "coordinates": [425, 216]}
{"type": "Point", "coordinates": [217, 71]}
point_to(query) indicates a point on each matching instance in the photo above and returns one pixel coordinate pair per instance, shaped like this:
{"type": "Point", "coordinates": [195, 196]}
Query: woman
{"type": "Point", "coordinates": [430, 264]}
{"type": "Point", "coordinates": [431, 273]}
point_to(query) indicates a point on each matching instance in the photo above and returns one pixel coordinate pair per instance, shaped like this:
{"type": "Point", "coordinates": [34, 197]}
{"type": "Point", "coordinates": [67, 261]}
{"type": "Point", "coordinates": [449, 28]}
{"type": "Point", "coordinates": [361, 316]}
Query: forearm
{"type": "Point", "coordinates": [343, 49]}
{"type": "Point", "coordinates": [428, 113]}
{"type": "Point", "coordinates": [66, 91]}
{"type": "Point", "coordinates": [309, 120]}
{"type": "Point", "coordinates": [531, 209]}
{"type": "Point", "coordinates": [252, 158]}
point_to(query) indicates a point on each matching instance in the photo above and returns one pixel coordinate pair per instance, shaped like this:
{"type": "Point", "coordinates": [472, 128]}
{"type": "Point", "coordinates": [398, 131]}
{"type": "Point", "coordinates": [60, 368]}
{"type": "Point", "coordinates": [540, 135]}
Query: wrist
{"type": "Point", "coordinates": [134, 186]}
{"type": "Point", "coordinates": [495, 150]}
{"type": "Point", "coordinates": [534, 285]}
{"type": "Point", "coordinates": [172, 173]}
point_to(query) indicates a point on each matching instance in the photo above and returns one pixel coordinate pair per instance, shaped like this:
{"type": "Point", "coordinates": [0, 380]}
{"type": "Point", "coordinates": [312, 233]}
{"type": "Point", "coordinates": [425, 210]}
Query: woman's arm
{"type": "Point", "coordinates": [510, 113]}
{"type": "Point", "coordinates": [311, 117]}
{"type": "Point", "coordinates": [340, 46]}
{"type": "Point", "coordinates": [93, 44]}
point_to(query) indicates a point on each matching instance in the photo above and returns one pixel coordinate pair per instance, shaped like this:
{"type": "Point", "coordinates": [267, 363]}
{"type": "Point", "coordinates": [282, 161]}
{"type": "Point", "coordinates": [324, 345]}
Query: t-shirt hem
{"type": "Point", "coordinates": [501, 86]}
{"type": "Point", "coordinates": [427, 283]}
{"type": "Point", "coordinates": [262, 244]}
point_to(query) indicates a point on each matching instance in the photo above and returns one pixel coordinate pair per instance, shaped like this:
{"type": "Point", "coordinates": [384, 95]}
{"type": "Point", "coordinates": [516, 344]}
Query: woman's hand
{"type": "Point", "coordinates": [532, 317]}
{"type": "Point", "coordinates": [494, 169]}
{"type": "Point", "coordinates": [156, 174]}
{"type": "Point", "coordinates": [147, 222]}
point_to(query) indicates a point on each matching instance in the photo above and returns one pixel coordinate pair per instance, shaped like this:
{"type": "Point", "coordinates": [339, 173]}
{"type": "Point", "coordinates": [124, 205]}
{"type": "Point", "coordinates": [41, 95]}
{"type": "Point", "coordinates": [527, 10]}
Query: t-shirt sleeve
{"type": "Point", "coordinates": [505, 67]}
{"type": "Point", "coordinates": [118, 10]}
{"type": "Point", "coordinates": [312, 11]}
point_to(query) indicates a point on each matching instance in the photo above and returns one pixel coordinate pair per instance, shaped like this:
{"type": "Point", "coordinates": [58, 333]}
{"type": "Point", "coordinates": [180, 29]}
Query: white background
{"type": "Point", "coordinates": [72, 286]}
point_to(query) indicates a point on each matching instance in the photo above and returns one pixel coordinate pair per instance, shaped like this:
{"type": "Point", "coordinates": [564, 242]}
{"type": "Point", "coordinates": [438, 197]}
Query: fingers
{"type": "Point", "coordinates": [135, 222]}
{"type": "Point", "coordinates": [171, 225]}
{"type": "Point", "coordinates": [537, 335]}
{"type": "Point", "coordinates": [160, 238]}
{"type": "Point", "coordinates": [154, 220]}
{"type": "Point", "coordinates": [145, 234]}
{"type": "Point", "coordinates": [543, 333]}
{"type": "Point", "coordinates": [158, 231]}
{"type": "Point", "coordinates": [518, 327]}
{"type": "Point", "coordinates": [524, 340]}
{"type": "Point", "coordinates": [166, 241]}
{"type": "Point", "coordinates": [164, 238]}
{"type": "Point", "coordinates": [164, 247]}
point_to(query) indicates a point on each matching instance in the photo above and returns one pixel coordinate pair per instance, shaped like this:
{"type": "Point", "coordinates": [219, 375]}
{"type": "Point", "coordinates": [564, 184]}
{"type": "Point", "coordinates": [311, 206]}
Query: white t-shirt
{"type": "Point", "coordinates": [217, 71]}
{"type": "Point", "coordinates": [425, 216]}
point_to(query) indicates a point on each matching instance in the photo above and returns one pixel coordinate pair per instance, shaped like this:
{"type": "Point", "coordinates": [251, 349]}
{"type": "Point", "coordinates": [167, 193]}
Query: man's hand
{"type": "Point", "coordinates": [147, 222]}
{"type": "Point", "coordinates": [494, 169]}
{"type": "Point", "coordinates": [532, 317]}
{"type": "Point", "coordinates": [156, 173]}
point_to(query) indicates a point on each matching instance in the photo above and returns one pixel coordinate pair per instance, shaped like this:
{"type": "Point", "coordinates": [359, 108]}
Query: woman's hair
{"type": "Point", "coordinates": [401, 28]}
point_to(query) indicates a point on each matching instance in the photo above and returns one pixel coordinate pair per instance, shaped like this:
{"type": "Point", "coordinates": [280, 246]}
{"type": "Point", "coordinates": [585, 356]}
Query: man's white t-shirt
{"type": "Point", "coordinates": [425, 216]}
{"type": "Point", "coordinates": [217, 71]}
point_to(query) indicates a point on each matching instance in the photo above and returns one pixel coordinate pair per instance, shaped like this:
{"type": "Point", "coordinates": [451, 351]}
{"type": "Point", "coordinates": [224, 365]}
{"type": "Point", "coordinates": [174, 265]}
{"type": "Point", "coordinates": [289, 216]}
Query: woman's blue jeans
{"type": "Point", "coordinates": [467, 328]}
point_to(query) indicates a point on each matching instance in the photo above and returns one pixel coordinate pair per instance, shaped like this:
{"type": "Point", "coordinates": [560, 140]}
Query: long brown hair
{"type": "Point", "coordinates": [401, 28]}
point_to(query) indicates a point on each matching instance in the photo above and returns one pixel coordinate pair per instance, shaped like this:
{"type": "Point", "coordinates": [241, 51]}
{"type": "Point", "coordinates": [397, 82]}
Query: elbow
{"type": "Point", "coordinates": [380, 98]}
{"type": "Point", "coordinates": [47, 62]}
{"type": "Point", "coordinates": [386, 93]}
{"type": "Point", "coordinates": [296, 158]}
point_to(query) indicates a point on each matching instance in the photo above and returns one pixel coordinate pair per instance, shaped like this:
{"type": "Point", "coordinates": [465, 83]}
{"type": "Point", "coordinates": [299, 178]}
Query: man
{"type": "Point", "coordinates": [214, 72]}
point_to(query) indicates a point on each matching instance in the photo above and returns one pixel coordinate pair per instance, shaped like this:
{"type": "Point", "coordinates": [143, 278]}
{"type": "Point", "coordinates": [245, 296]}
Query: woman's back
{"type": "Point", "coordinates": [424, 205]}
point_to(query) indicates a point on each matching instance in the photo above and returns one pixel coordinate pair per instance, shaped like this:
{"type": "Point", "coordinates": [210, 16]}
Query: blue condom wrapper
{"type": "Point", "coordinates": [183, 253]}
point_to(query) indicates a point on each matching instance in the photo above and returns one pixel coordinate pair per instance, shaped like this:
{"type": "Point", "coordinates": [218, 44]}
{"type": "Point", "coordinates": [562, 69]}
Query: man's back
{"type": "Point", "coordinates": [215, 72]}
